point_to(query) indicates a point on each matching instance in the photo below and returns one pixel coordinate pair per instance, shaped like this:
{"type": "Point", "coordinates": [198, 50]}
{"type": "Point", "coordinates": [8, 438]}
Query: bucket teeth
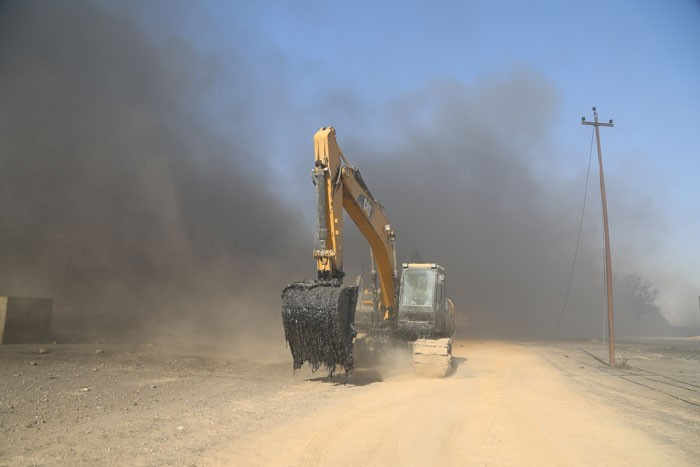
{"type": "Point", "coordinates": [318, 324]}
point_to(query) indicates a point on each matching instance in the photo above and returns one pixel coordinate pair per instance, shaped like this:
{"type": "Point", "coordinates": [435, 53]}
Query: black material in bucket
{"type": "Point", "coordinates": [318, 324]}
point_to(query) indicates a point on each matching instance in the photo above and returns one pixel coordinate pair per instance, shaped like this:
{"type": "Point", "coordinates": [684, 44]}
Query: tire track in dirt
{"type": "Point", "coordinates": [383, 424]}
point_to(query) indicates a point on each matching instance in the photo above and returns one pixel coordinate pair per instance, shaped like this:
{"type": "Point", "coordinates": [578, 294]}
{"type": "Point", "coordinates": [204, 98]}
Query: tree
{"type": "Point", "coordinates": [642, 292]}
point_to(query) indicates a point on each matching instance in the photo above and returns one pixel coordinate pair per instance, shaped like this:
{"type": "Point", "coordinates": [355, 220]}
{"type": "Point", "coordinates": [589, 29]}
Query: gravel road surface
{"type": "Point", "coordinates": [506, 403]}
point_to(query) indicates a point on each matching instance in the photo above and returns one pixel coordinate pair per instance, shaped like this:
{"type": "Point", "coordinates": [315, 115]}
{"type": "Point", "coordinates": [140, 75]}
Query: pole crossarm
{"type": "Point", "coordinates": [597, 124]}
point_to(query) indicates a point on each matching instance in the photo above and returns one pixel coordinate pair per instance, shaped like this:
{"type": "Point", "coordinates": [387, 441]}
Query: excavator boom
{"type": "Point", "coordinates": [340, 186]}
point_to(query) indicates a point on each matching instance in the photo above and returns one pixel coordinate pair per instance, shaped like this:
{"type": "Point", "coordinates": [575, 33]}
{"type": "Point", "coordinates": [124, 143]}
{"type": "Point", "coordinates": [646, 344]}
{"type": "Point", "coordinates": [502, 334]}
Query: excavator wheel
{"type": "Point", "coordinates": [432, 357]}
{"type": "Point", "coordinates": [318, 324]}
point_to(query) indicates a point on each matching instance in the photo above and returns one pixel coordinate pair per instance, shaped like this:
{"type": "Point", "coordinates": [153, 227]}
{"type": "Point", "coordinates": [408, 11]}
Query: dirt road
{"type": "Point", "coordinates": [506, 404]}
{"type": "Point", "coordinates": [503, 406]}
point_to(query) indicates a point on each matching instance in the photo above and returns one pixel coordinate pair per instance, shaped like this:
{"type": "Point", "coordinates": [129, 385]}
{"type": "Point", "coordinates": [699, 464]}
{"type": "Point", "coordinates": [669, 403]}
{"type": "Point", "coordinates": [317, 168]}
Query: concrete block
{"type": "Point", "coordinates": [25, 320]}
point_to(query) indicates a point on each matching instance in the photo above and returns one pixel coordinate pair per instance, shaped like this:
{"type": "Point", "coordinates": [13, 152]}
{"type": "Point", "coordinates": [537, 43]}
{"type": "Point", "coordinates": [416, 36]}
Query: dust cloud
{"type": "Point", "coordinates": [117, 200]}
{"type": "Point", "coordinates": [469, 178]}
{"type": "Point", "coordinates": [124, 204]}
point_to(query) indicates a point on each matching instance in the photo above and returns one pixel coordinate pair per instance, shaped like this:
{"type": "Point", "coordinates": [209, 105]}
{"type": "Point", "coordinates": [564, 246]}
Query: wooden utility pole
{"type": "Point", "coordinates": [608, 262]}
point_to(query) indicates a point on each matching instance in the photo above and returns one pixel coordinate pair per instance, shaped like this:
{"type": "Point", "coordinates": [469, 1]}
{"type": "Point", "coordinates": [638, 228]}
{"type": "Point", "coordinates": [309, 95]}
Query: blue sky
{"type": "Point", "coordinates": [637, 61]}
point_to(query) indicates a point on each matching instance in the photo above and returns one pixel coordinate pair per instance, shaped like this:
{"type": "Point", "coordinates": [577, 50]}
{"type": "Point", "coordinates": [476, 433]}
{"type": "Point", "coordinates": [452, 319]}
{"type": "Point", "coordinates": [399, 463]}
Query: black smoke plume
{"type": "Point", "coordinates": [117, 200]}
{"type": "Point", "coordinates": [469, 177]}
{"type": "Point", "coordinates": [123, 200]}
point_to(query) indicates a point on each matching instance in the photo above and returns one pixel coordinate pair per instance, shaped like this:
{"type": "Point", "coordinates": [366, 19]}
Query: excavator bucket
{"type": "Point", "coordinates": [318, 324]}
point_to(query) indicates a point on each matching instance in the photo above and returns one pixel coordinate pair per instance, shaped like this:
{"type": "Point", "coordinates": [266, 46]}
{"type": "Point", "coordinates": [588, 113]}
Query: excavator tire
{"type": "Point", "coordinates": [432, 357]}
{"type": "Point", "coordinates": [318, 324]}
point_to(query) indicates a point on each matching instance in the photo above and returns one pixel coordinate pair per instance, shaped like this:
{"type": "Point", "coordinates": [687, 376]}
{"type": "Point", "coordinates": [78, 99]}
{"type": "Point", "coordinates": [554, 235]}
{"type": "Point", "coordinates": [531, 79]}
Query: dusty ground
{"type": "Point", "coordinates": [506, 404]}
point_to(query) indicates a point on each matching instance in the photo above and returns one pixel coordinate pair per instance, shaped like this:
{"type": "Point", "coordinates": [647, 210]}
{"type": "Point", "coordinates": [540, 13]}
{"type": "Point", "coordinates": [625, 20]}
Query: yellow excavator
{"type": "Point", "coordinates": [409, 305]}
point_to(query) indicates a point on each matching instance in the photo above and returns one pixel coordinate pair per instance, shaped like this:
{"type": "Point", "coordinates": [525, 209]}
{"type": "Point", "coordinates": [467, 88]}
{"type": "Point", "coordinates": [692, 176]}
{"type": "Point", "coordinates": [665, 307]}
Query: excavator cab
{"type": "Point", "coordinates": [423, 309]}
{"type": "Point", "coordinates": [426, 318]}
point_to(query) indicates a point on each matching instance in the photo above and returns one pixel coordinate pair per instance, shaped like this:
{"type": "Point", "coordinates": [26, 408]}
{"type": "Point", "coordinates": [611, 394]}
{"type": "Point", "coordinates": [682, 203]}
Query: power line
{"type": "Point", "coordinates": [578, 238]}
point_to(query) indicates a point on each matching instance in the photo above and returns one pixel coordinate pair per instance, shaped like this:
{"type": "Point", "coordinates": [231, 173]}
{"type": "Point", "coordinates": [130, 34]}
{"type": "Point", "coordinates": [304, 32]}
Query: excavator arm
{"type": "Point", "coordinates": [319, 315]}
{"type": "Point", "coordinates": [339, 186]}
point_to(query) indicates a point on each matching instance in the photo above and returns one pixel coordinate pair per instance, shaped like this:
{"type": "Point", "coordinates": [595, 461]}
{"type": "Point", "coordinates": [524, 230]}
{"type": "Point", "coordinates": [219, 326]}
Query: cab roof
{"type": "Point", "coordinates": [422, 266]}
